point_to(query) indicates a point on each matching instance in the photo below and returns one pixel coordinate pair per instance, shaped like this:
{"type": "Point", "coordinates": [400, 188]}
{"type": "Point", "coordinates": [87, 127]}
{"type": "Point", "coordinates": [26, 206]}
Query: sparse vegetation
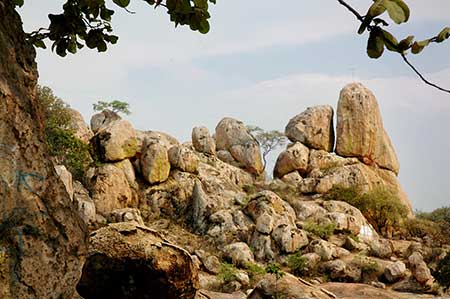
{"type": "Point", "coordinates": [323, 231]}
{"type": "Point", "coordinates": [268, 140]}
{"type": "Point", "coordinates": [442, 272]}
{"type": "Point", "coordinates": [255, 271]}
{"type": "Point", "coordinates": [297, 263]}
{"type": "Point", "coordinates": [114, 106]}
{"type": "Point", "coordinates": [381, 207]}
{"type": "Point", "coordinates": [227, 272]}
{"type": "Point", "coordinates": [63, 145]}
{"type": "Point", "coordinates": [434, 225]}
{"type": "Point", "coordinates": [369, 268]}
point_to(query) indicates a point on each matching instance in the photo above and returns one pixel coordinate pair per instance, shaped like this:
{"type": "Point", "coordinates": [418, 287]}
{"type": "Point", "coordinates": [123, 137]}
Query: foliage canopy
{"type": "Point", "coordinates": [268, 140]}
{"type": "Point", "coordinates": [64, 146]}
{"type": "Point", "coordinates": [115, 106]}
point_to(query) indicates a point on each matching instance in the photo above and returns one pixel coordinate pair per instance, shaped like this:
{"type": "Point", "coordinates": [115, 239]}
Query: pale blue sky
{"type": "Point", "coordinates": [263, 62]}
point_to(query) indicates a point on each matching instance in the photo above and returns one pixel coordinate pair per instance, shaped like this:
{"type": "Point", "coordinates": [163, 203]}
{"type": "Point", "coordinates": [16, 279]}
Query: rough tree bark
{"type": "Point", "coordinates": [42, 239]}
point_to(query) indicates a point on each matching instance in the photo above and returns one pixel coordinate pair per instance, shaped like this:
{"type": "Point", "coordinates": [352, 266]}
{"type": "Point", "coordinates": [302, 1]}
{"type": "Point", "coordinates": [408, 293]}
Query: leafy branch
{"type": "Point", "coordinates": [379, 39]}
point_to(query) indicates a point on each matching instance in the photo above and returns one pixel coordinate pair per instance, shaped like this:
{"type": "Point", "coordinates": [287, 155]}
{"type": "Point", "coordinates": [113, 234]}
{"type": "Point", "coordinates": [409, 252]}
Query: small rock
{"type": "Point", "coordinates": [239, 253]}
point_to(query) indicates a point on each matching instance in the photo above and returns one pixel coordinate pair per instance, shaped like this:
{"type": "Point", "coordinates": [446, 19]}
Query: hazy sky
{"type": "Point", "coordinates": [264, 62]}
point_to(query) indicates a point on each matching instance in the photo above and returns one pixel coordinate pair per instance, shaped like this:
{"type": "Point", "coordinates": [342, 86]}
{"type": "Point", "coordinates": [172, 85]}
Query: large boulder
{"type": "Point", "coordinates": [42, 238]}
{"type": "Point", "coordinates": [360, 131]}
{"type": "Point", "coordinates": [116, 141]}
{"type": "Point", "coordinates": [313, 128]}
{"type": "Point", "coordinates": [102, 119]}
{"type": "Point", "coordinates": [81, 129]}
{"type": "Point", "coordinates": [287, 286]}
{"type": "Point", "coordinates": [294, 158]}
{"type": "Point", "coordinates": [110, 190]}
{"type": "Point", "coordinates": [154, 162]}
{"type": "Point", "coordinates": [157, 137]}
{"type": "Point", "coordinates": [183, 158]}
{"type": "Point", "coordinates": [233, 136]}
{"type": "Point", "coordinates": [127, 260]}
{"type": "Point", "coordinates": [202, 141]}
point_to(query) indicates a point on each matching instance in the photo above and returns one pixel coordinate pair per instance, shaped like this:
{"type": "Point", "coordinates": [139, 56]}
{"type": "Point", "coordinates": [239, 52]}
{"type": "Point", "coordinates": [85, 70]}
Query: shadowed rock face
{"type": "Point", "coordinates": [127, 260]}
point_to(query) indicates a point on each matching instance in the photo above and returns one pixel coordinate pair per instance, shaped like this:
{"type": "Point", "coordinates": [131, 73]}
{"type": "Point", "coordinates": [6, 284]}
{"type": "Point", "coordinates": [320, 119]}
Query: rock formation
{"type": "Point", "coordinates": [313, 128]}
{"type": "Point", "coordinates": [42, 238]}
{"type": "Point", "coordinates": [360, 131]}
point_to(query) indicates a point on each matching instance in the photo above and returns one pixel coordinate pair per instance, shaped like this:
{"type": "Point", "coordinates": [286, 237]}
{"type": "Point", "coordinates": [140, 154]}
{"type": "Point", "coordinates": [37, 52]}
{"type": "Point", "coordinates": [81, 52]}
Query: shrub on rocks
{"type": "Point", "coordinates": [442, 272]}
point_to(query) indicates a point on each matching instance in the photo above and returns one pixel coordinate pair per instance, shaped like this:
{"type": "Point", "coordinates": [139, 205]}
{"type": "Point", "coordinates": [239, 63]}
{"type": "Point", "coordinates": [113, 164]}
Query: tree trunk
{"type": "Point", "coordinates": [42, 239]}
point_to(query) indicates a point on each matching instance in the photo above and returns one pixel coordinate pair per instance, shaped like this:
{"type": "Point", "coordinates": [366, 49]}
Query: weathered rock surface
{"type": "Point", "coordinates": [42, 238]}
{"type": "Point", "coordinates": [286, 287]}
{"type": "Point", "coordinates": [155, 164]}
{"type": "Point", "coordinates": [239, 253]}
{"type": "Point", "coordinates": [66, 178]}
{"type": "Point", "coordinates": [202, 141]}
{"type": "Point", "coordinates": [295, 157]}
{"type": "Point", "coordinates": [419, 269]}
{"type": "Point", "coordinates": [360, 131]}
{"type": "Point", "coordinates": [110, 190]}
{"type": "Point", "coordinates": [81, 129]}
{"type": "Point", "coordinates": [313, 128]}
{"type": "Point", "coordinates": [183, 158]}
{"type": "Point", "coordinates": [86, 206]}
{"type": "Point", "coordinates": [126, 260]}
{"type": "Point", "coordinates": [156, 137]}
{"type": "Point", "coordinates": [102, 119]}
{"type": "Point", "coordinates": [116, 141]}
{"type": "Point", "coordinates": [395, 271]}
{"type": "Point", "coordinates": [233, 136]}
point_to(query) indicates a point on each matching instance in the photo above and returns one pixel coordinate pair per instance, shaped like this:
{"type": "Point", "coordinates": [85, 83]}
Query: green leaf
{"type": "Point", "coordinates": [390, 41]}
{"type": "Point", "coordinates": [398, 10]}
{"type": "Point", "coordinates": [40, 44]}
{"type": "Point", "coordinates": [377, 8]}
{"type": "Point", "coordinates": [375, 44]}
{"type": "Point", "coordinates": [18, 3]}
{"type": "Point", "coordinates": [406, 43]}
{"type": "Point", "coordinates": [417, 47]}
{"type": "Point", "coordinates": [443, 35]}
{"type": "Point", "coordinates": [204, 27]}
{"type": "Point", "coordinates": [122, 3]}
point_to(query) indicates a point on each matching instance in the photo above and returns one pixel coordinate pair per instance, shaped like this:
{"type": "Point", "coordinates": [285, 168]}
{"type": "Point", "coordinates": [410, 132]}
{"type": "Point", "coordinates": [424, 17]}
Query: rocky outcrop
{"type": "Point", "coordinates": [126, 260]}
{"type": "Point", "coordinates": [202, 141]}
{"type": "Point", "coordinates": [233, 136]}
{"type": "Point", "coordinates": [42, 238]}
{"type": "Point", "coordinates": [155, 137]}
{"type": "Point", "coordinates": [294, 158]}
{"type": "Point", "coordinates": [360, 131]}
{"type": "Point", "coordinates": [116, 141]}
{"type": "Point", "coordinates": [313, 128]}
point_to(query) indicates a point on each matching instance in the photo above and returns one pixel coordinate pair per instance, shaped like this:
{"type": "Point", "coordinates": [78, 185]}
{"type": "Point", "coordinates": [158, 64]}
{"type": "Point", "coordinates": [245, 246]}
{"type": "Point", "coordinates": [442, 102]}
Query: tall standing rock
{"type": "Point", "coordinates": [233, 136]}
{"type": "Point", "coordinates": [42, 238]}
{"type": "Point", "coordinates": [360, 131]}
{"type": "Point", "coordinates": [313, 128]}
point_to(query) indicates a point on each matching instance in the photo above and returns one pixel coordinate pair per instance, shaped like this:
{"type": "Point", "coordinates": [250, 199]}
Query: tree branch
{"type": "Point", "coordinates": [352, 10]}
{"type": "Point", "coordinates": [361, 19]}
{"type": "Point", "coordinates": [420, 75]}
